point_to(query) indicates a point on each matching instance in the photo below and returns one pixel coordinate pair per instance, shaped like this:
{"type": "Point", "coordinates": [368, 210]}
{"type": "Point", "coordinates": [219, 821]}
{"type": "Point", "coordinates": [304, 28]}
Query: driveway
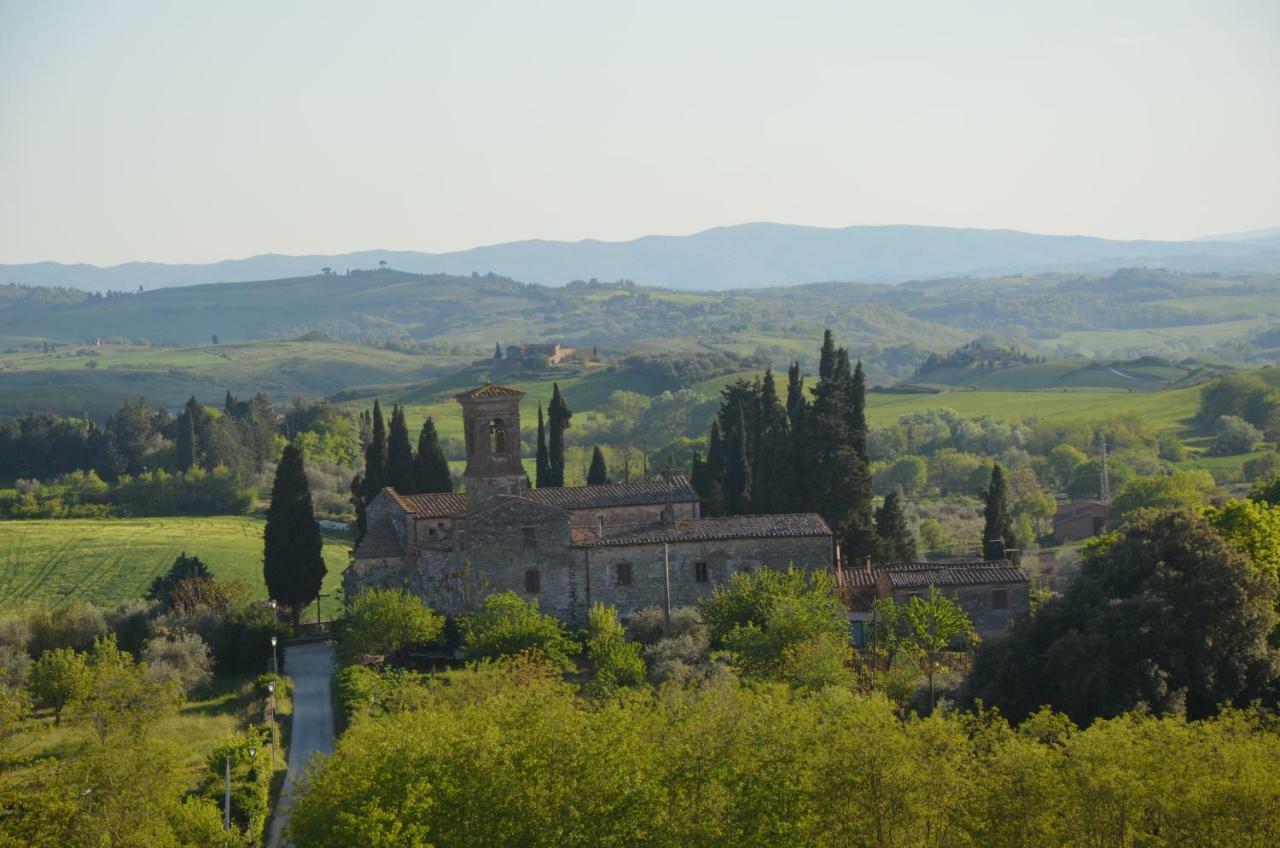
{"type": "Point", "coordinates": [311, 667]}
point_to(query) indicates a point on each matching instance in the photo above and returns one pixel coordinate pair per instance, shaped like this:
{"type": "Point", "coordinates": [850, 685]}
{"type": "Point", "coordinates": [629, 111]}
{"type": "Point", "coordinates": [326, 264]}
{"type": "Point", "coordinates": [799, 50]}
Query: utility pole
{"type": "Point", "coordinates": [1105, 488]}
{"type": "Point", "coordinates": [666, 581]}
{"type": "Point", "coordinates": [226, 798]}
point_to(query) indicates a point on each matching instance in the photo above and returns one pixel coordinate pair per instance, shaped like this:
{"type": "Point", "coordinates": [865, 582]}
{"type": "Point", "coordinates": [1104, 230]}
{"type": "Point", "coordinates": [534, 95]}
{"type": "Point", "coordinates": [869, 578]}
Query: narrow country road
{"type": "Point", "coordinates": [311, 667]}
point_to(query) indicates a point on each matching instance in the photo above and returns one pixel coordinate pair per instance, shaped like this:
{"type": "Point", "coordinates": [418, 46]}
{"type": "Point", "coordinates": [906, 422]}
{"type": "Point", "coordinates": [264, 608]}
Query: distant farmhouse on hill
{"type": "Point", "coordinates": [528, 355]}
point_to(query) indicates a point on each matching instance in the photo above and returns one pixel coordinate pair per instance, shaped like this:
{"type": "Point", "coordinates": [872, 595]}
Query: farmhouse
{"type": "Point", "coordinates": [991, 592]}
{"type": "Point", "coordinates": [1080, 520]}
{"type": "Point", "coordinates": [628, 545]}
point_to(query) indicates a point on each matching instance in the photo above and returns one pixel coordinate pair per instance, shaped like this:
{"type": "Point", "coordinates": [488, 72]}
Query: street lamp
{"type": "Point", "coordinates": [275, 663]}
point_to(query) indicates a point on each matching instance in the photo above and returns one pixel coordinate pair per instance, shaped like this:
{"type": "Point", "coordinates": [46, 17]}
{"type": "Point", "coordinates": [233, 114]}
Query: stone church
{"type": "Point", "coordinates": [628, 545]}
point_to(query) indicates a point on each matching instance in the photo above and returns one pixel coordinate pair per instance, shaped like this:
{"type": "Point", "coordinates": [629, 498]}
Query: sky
{"type": "Point", "coordinates": [192, 132]}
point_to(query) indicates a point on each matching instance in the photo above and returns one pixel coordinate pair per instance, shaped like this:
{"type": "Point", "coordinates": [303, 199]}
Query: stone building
{"type": "Point", "coordinates": [992, 593]}
{"type": "Point", "coordinates": [629, 545]}
{"type": "Point", "coordinates": [539, 354]}
{"type": "Point", "coordinates": [1080, 520]}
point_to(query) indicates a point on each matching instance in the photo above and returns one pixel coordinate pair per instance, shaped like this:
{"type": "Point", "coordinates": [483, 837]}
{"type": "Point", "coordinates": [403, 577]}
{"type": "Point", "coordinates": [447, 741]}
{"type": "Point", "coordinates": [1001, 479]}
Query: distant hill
{"type": "Point", "coordinates": [977, 366]}
{"type": "Point", "coordinates": [741, 256]}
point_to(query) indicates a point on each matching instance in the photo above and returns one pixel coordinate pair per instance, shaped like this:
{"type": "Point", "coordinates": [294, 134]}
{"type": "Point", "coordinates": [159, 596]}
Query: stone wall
{"type": "Point", "coordinates": [630, 516]}
{"type": "Point", "coordinates": [723, 558]}
{"type": "Point", "coordinates": [977, 602]}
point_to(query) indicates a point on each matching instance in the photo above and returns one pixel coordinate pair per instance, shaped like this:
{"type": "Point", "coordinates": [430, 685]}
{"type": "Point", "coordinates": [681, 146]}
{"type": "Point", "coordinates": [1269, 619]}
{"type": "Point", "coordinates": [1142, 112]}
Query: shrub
{"type": "Point", "coordinates": [183, 658]}
{"type": "Point", "coordinates": [506, 625]}
{"type": "Point", "coordinates": [1233, 435]}
{"type": "Point", "coordinates": [384, 622]}
{"type": "Point", "coordinates": [617, 662]}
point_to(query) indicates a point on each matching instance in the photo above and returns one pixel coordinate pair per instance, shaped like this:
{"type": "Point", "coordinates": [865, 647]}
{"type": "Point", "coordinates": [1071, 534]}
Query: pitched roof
{"type": "Point", "coordinates": [381, 542]}
{"type": "Point", "coordinates": [488, 390]}
{"type": "Point", "coordinates": [805, 524]}
{"type": "Point", "coordinates": [921, 575]}
{"type": "Point", "coordinates": [1072, 510]}
{"type": "Point", "coordinates": [676, 490]}
{"type": "Point", "coordinates": [437, 505]}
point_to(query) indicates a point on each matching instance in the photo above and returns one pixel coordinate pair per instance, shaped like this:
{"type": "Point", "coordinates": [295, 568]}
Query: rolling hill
{"type": "Point", "coordinates": [740, 256]}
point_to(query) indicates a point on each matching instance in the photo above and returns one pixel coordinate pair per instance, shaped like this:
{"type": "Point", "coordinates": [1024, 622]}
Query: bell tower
{"type": "Point", "coordinates": [491, 423]}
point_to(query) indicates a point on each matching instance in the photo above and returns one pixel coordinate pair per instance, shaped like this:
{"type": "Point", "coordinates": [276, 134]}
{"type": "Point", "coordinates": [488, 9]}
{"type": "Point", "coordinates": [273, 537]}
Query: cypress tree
{"type": "Point", "coordinates": [713, 498]}
{"type": "Point", "coordinates": [375, 455]}
{"type": "Point", "coordinates": [827, 357]}
{"type": "Point", "coordinates": [559, 413]}
{"type": "Point", "coordinates": [597, 474]}
{"type": "Point", "coordinates": [542, 468]}
{"type": "Point", "coordinates": [737, 486]}
{"type": "Point", "coordinates": [997, 522]}
{"type": "Point", "coordinates": [796, 401]}
{"type": "Point", "coordinates": [430, 468]}
{"type": "Point", "coordinates": [897, 544]}
{"type": "Point", "coordinates": [698, 475]}
{"type": "Point", "coordinates": [768, 486]}
{"type": "Point", "coordinates": [497, 350]}
{"type": "Point", "coordinates": [292, 556]}
{"type": "Point", "coordinates": [858, 412]}
{"type": "Point", "coordinates": [228, 403]}
{"type": "Point", "coordinates": [399, 474]}
{"type": "Point", "coordinates": [186, 441]}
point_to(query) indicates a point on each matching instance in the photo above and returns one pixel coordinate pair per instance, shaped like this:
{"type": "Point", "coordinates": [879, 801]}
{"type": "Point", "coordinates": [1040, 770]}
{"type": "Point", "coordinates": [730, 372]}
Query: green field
{"type": "Point", "coordinates": [66, 561]}
{"type": "Point", "coordinates": [63, 382]}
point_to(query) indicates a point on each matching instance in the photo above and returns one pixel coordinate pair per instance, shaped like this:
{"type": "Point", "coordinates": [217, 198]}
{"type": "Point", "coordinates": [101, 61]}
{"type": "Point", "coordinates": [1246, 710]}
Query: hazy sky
{"type": "Point", "coordinates": [200, 131]}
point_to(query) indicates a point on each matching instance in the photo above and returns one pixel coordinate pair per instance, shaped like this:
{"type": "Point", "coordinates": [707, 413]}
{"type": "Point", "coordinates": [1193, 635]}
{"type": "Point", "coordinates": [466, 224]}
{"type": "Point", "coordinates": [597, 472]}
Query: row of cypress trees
{"type": "Point", "coordinates": [389, 460]}
{"type": "Point", "coordinates": [805, 454]}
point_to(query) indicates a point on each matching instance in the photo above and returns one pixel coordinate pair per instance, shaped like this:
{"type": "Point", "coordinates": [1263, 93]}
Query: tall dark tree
{"type": "Point", "coordinates": [858, 412]}
{"type": "Point", "coordinates": [375, 454]}
{"type": "Point", "coordinates": [497, 350]}
{"type": "Point", "coordinates": [185, 443]}
{"type": "Point", "coordinates": [430, 467]}
{"type": "Point", "coordinates": [558, 413]}
{"type": "Point", "coordinates": [400, 474]}
{"type": "Point", "coordinates": [292, 556]}
{"type": "Point", "coordinates": [598, 473]}
{"type": "Point", "coordinates": [698, 475]}
{"type": "Point", "coordinates": [796, 400]}
{"type": "Point", "coordinates": [713, 497]}
{"type": "Point", "coordinates": [827, 356]}
{"type": "Point", "coordinates": [737, 478]}
{"type": "Point", "coordinates": [366, 486]}
{"type": "Point", "coordinates": [997, 521]}
{"type": "Point", "coordinates": [541, 466]}
{"type": "Point", "coordinates": [896, 542]}
{"type": "Point", "coordinates": [769, 460]}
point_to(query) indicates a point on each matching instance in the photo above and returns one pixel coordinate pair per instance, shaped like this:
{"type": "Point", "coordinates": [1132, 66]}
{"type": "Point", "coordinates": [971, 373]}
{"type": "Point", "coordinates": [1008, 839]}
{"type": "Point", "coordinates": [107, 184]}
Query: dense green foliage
{"type": "Point", "coordinates": [506, 625]}
{"type": "Point", "coordinates": [508, 756]}
{"type": "Point", "coordinates": [1167, 616]}
{"type": "Point", "coordinates": [384, 622]}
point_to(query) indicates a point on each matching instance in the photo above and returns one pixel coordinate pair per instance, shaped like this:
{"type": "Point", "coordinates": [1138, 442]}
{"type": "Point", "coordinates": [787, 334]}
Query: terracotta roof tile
{"type": "Point", "coordinates": [711, 529]}
{"type": "Point", "coordinates": [921, 575]}
{"type": "Point", "coordinates": [677, 490]}
{"type": "Point", "coordinates": [489, 390]}
{"type": "Point", "coordinates": [437, 505]}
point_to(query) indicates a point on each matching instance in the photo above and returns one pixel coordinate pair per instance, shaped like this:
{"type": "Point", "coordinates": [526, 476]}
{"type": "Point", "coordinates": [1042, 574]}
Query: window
{"type": "Point", "coordinates": [701, 574]}
{"type": "Point", "coordinates": [532, 581]}
{"type": "Point", "coordinates": [858, 634]}
{"type": "Point", "coordinates": [530, 537]}
{"type": "Point", "coordinates": [999, 598]}
{"type": "Point", "coordinates": [622, 574]}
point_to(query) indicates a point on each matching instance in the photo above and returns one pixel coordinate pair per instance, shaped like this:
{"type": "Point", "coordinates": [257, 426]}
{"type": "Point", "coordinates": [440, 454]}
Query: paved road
{"type": "Point", "coordinates": [311, 667]}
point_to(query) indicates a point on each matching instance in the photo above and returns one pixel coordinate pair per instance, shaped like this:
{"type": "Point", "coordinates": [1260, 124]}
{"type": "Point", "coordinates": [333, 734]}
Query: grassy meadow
{"type": "Point", "coordinates": [58, 562]}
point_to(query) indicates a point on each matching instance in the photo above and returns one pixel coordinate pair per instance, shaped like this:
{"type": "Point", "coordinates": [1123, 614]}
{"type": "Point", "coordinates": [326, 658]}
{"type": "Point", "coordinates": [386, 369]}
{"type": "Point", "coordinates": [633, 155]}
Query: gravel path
{"type": "Point", "coordinates": [311, 667]}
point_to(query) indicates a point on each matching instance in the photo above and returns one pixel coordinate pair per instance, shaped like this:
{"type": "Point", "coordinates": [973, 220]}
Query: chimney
{"type": "Point", "coordinates": [994, 550]}
{"type": "Point", "coordinates": [668, 516]}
